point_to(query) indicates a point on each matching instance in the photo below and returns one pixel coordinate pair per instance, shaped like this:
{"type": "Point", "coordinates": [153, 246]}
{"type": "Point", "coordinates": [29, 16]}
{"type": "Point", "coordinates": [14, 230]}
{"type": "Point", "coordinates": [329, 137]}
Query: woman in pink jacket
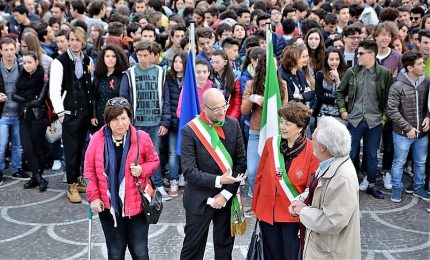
{"type": "Point", "coordinates": [111, 190]}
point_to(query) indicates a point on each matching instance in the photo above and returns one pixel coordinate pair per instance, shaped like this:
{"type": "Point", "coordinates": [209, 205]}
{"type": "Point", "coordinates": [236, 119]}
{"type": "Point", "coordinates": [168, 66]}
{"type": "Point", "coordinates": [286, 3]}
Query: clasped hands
{"type": "Point", "coordinates": [296, 207]}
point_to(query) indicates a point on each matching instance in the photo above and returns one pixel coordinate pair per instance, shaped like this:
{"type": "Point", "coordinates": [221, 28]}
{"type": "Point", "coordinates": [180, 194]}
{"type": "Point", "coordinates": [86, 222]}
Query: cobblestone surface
{"type": "Point", "coordinates": [36, 225]}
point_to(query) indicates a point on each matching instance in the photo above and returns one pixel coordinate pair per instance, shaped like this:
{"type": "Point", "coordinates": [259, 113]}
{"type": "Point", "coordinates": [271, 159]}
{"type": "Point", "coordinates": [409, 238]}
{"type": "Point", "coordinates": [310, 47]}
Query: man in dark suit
{"type": "Point", "coordinates": [211, 184]}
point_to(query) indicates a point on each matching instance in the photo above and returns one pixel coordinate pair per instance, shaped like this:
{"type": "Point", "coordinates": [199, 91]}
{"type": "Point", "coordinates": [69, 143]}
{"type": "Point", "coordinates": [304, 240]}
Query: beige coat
{"type": "Point", "coordinates": [333, 221]}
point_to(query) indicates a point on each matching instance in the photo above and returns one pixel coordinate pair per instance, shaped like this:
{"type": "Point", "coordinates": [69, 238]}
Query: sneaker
{"type": "Point", "coordinates": [174, 188]}
{"type": "Point", "coordinates": [372, 190]}
{"type": "Point", "coordinates": [249, 213]}
{"type": "Point", "coordinates": [396, 195]}
{"type": "Point", "coordinates": [428, 208]}
{"type": "Point", "coordinates": [387, 181]}
{"type": "Point", "coordinates": [56, 165]}
{"type": "Point", "coordinates": [422, 194]}
{"type": "Point", "coordinates": [408, 171]}
{"type": "Point", "coordinates": [181, 182]}
{"type": "Point", "coordinates": [364, 184]}
{"type": "Point", "coordinates": [73, 194]}
{"type": "Point", "coordinates": [21, 175]}
{"type": "Point", "coordinates": [410, 188]}
{"type": "Point", "coordinates": [65, 178]}
{"type": "Point", "coordinates": [166, 183]}
{"type": "Point", "coordinates": [164, 194]}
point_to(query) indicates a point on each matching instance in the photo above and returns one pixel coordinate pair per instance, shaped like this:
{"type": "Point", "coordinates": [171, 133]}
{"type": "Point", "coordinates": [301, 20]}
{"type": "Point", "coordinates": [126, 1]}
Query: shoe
{"type": "Point", "coordinates": [428, 208]}
{"type": "Point", "coordinates": [21, 175]}
{"type": "Point", "coordinates": [181, 182]}
{"type": "Point", "coordinates": [375, 192]}
{"type": "Point", "coordinates": [65, 178]}
{"type": "Point", "coordinates": [32, 183]}
{"type": "Point", "coordinates": [364, 184]}
{"type": "Point", "coordinates": [82, 188]}
{"type": "Point", "coordinates": [387, 181]}
{"type": "Point", "coordinates": [73, 194]}
{"type": "Point", "coordinates": [1, 178]}
{"type": "Point", "coordinates": [408, 171]}
{"type": "Point", "coordinates": [249, 213]}
{"type": "Point", "coordinates": [43, 184]}
{"type": "Point", "coordinates": [396, 195]}
{"type": "Point", "coordinates": [174, 189]}
{"type": "Point", "coordinates": [166, 183]}
{"type": "Point", "coordinates": [56, 165]}
{"type": "Point", "coordinates": [422, 194]}
{"type": "Point", "coordinates": [410, 188]}
{"type": "Point", "coordinates": [164, 194]}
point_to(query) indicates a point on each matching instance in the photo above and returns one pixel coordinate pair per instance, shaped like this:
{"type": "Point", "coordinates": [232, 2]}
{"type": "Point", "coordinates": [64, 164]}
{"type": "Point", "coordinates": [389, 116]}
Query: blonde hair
{"type": "Point", "coordinates": [81, 35]}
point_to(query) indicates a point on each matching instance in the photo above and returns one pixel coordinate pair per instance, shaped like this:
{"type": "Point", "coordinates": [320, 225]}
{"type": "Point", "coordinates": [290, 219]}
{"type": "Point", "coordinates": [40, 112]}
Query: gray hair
{"type": "Point", "coordinates": [334, 135]}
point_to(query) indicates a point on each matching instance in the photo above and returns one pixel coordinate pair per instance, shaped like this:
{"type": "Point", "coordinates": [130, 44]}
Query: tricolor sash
{"type": "Point", "coordinates": [281, 178]}
{"type": "Point", "coordinates": [211, 141]}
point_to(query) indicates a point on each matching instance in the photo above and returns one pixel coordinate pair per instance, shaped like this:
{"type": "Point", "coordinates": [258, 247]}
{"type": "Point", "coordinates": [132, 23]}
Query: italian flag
{"type": "Point", "coordinates": [272, 101]}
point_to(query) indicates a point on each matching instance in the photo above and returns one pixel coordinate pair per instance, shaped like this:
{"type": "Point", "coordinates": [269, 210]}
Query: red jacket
{"type": "Point", "coordinates": [97, 186]}
{"type": "Point", "coordinates": [235, 102]}
{"type": "Point", "coordinates": [268, 203]}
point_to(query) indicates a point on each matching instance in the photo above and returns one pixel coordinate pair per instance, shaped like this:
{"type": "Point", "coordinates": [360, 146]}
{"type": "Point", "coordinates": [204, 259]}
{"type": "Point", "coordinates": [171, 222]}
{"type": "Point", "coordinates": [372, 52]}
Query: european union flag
{"type": "Point", "coordinates": [190, 100]}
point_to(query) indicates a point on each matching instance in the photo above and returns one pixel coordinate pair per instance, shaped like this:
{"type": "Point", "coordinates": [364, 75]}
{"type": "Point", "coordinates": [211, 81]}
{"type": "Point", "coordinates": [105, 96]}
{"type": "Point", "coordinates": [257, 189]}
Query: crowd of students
{"type": "Point", "coordinates": [362, 62]}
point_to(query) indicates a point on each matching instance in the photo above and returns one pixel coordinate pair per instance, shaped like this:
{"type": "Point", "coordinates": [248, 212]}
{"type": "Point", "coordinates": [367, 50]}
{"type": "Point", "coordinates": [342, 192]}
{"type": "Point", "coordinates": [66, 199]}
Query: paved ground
{"type": "Point", "coordinates": [36, 225]}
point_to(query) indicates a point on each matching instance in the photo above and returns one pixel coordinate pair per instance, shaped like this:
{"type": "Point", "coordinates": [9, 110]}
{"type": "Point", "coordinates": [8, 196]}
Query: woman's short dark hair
{"type": "Point", "coordinates": [115, 107]}
{"type": "Point", "coordinates": [296, 113]}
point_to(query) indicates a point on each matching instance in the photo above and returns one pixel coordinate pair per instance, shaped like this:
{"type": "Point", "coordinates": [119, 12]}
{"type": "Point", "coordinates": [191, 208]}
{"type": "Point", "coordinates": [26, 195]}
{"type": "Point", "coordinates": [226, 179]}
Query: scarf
{"type": "Point", "coordinates": [291, 153]}
{"type": "Point", "coordinates": [219, 132]}
{"type": "Point", "coordinates": [115, 179]}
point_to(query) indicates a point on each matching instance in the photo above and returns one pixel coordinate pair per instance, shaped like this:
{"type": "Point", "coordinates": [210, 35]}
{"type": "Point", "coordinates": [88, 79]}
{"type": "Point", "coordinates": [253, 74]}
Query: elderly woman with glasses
{"type": "Point", "coordinates": [286, 165]}
{"type": "Point", "coordinates": [118, 153]}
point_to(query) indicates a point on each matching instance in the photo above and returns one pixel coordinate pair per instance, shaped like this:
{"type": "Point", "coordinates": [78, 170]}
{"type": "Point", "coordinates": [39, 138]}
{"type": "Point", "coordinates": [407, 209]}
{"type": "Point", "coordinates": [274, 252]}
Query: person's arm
{"type": "Point", "coordinates": [393, 111]}
{"type": "Point", "coordinates": [124, 88]}
{"type": "Point", "coordinates": [339, 204]}
{"type": "Point", "coordinates": [246, 106]}
{"type": "Point", "coordinates": [260, 171]}
{"type": "Point", "coordinates": [235, 102]}
{"type": "Point", "coordinates": [55, 82]}
{"type": "Point", "coordinates": [342, 91]}
{"type": "Point", "coordinates": [165, 113]}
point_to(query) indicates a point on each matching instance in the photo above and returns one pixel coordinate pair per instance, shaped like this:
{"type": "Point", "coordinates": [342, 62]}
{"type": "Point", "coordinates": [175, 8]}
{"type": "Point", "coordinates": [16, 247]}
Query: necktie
{"type": "Point", "coordinates": [79, 70]}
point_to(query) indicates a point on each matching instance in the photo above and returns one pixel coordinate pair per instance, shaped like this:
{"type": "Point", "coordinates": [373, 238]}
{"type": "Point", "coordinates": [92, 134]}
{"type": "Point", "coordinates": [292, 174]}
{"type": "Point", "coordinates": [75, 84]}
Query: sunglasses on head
{"type": "Point", "coordinates": [117, 101]}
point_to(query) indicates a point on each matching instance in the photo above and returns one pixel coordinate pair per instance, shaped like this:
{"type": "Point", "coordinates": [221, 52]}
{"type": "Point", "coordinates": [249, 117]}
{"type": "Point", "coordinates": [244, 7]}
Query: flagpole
{"type": "Point", "coordinates": [193, 40]}
{"type": "Point", "coordinates": [268, 39]}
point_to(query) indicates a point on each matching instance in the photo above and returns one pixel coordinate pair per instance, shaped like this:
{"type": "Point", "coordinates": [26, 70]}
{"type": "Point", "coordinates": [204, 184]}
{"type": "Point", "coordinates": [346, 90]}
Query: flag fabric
{"type": "Point", "coordinates": [272, 101]}
{"type": "Point", "coordinates": [190, 100]}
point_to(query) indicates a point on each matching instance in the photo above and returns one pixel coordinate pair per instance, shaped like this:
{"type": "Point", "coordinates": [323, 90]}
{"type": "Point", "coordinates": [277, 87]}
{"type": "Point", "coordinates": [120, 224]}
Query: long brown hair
{"type": "Point", "coordinates": [33, 44]}
{"type": "Point", "coordinates": [341, 69]}
{"type": "Point", "coordinates": [121, 61]}
{"type": "Point", "coordinates": [228, 75]}
{"type": "Point", "coordinates": [259, 81]}
{"type": "Point", "coordinates": [316, 56]}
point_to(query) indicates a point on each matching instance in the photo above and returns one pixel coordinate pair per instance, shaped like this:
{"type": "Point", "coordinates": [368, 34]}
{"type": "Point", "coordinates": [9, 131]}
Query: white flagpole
{"type": "Point", "coordinates": [193, 40]}
{"type": "Point", "coordinates": [268, 39]}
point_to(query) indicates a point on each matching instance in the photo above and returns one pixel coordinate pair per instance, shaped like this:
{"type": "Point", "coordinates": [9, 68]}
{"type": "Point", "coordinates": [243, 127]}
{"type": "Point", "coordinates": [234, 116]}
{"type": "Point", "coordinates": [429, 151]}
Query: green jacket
{"type": "Point", "coordinates": [348, 87]}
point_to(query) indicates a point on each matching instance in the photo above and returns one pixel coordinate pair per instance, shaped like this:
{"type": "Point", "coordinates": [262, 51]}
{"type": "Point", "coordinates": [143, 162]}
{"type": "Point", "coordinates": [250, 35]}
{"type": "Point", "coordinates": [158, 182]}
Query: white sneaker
{"type": "Point", "coordinates": [387, 181]}
{"type": "Point", "coordinates": [65, 178]}
{"type": "Point", "coordinates": [164, 194]}
{"type": "Point", "coordinates": [181, 182]}
{"type": "Point", "coordinates": [174, 190]}
{"type": "Point", "coordinates": [364, 184]}
{"type": "Point", "coordinates": [56, 165]}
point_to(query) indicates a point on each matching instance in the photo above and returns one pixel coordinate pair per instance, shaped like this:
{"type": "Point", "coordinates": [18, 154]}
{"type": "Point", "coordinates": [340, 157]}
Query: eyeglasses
{"type": "Point", "coordinates": [355, 38]}
{"type": "Point", "coordinates": [117, 101]}
{"type": "Point", "coordinates": [414, 18]}
{"type": "Point", "coordinates": [218, 109]}
{"type": "Point", "coordinates": [362, 53]}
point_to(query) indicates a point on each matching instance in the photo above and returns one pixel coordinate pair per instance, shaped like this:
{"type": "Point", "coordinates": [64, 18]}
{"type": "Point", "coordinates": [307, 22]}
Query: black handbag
{"type": "Point", "coordinates": [152, 209]}
{"type": "Point", "coordinates": [255, 250]}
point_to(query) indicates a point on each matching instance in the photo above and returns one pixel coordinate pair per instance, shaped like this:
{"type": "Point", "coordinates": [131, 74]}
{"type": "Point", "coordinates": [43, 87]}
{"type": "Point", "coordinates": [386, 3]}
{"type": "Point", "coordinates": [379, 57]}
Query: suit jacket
{"type": "Point", "coordinates": [333, 221]}
{"type": "Point", "coordinates": [201, 170]}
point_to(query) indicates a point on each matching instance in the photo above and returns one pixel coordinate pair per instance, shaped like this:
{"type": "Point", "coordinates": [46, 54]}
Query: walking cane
{"type": "Point", "coordinates": [90, 218]}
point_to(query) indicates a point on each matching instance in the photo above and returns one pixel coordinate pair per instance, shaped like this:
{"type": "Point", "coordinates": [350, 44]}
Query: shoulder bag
{"type": "Point", "coordinates": [255, 251]}
{"type": "Point", "coordinates": [152, 208]}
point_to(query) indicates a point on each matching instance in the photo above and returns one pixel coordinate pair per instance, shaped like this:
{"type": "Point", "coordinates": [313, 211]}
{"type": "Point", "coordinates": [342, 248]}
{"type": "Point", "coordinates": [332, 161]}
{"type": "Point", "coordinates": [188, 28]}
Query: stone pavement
{"type": "Point", "coordinates": [36, 225]}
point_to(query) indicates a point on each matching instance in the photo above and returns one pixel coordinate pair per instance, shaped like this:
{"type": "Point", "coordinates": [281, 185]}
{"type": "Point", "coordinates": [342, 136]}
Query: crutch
{"type": "Point", "coordinates": [90, 218]}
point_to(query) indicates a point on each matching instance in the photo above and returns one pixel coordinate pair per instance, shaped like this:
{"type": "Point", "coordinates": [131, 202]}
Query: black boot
{"type": "Point", "coordinates": [43, 183]}
{"type": "Point", "coordinates": [33, 182]}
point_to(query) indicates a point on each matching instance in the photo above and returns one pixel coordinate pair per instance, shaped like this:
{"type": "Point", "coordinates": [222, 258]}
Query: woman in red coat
{"type": "Point", "coordinates": [110, 167]}
{"type": "Point", "coordinates": [284, 172]}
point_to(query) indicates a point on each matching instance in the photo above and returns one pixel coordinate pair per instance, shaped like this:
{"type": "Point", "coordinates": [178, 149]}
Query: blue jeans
{"type": "Point", "coordinates": [173, 157]}
{"type": "Point", "coordinates": [10, 124]}
{"type": "Point", "coordinates": [402, 144]}
{"type": "Point", "coordinates": [130, 232]}
{"type": "Point", "coordinates": [252, 160]}
{"type": "Point", "coordinates": [371, 139]}
{"type": "Point", "coordinates": [157, 179]}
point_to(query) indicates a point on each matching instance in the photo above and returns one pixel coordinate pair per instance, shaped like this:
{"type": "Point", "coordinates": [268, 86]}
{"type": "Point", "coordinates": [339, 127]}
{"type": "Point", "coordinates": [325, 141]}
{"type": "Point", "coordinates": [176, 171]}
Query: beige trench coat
{"type": "Point", "coordinates": [333, 221]}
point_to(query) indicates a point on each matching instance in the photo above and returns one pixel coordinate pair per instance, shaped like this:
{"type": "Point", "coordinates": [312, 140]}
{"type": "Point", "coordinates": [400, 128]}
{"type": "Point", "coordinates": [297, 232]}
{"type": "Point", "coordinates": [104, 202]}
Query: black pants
{"type": "Point", "coordinates": [196, 234]}
{"type": "Point", "coordinates": [387, 140]}
{"type": "Point", "coordinates": [131, 232]}
{"type": "Point", "coordinates": [74, 133]}
{"type": "Point", "coordinates": [32, 135]}
{"type": "Point", "coordinates": [280, 241]}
